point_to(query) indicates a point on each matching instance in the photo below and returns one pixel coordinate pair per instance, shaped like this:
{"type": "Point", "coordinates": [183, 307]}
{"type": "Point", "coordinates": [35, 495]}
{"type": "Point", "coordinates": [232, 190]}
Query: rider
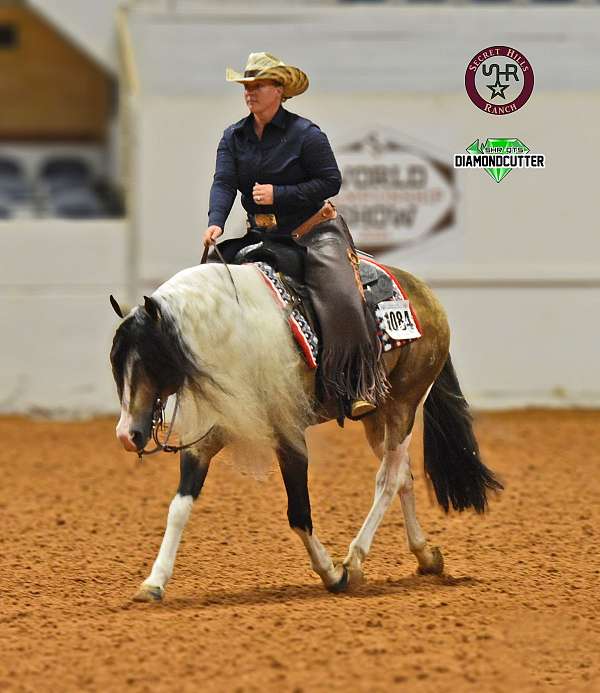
{"type": "Point", "coordinates": [285, 169]}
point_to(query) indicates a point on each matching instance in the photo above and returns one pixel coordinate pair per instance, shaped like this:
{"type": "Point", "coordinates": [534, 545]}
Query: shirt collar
{"type": "Point", "coordinates": [279, 120]}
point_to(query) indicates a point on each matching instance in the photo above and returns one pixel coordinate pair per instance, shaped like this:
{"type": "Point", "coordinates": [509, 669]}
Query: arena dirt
{"type": "Point", "coordinates": [517, 611]}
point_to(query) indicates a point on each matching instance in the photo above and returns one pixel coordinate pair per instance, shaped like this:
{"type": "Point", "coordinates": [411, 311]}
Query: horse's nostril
{"type": "Point", "coordinates": [138, 439]}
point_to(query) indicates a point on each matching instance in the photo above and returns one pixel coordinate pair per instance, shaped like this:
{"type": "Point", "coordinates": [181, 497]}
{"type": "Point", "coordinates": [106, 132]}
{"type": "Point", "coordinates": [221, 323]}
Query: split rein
{"type": "Point", "coordinates": [222, 259]}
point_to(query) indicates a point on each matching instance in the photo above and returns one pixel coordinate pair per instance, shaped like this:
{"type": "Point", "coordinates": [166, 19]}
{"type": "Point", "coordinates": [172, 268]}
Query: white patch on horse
{"type": "Point", "coordinates": [417, 542]}
{"type": "Point", "coordinates": [125, 421]}
{"type": "Point", "coordinates": [260, 400]}
{"type": "Point", "coordinates": [179, 513]}
{"type": "Point", "coordinates": [391, 475]}
{"type": "Point", "coordinates": [319, 558]}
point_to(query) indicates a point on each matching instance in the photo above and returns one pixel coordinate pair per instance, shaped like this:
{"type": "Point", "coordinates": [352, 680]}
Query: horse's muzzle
{"type": "Point", "coordinates": [133, 435]}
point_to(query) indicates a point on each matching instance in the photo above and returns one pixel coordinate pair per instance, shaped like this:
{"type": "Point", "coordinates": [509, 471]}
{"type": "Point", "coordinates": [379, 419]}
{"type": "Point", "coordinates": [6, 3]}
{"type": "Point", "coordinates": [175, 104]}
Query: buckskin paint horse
{"type": "Point", "coordinates": [239, 379]}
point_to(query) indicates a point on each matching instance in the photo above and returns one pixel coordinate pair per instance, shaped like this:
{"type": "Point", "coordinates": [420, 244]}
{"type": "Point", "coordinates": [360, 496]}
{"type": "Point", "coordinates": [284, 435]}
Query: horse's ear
{"type": "Point", "coordinates": [151, 307]}
{"type": "Point", "coordinates": [116, 306]}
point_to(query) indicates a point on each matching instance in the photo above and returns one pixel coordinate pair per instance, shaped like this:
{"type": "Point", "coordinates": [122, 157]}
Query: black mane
{"type": "Point", "coordinates": [167, 361]}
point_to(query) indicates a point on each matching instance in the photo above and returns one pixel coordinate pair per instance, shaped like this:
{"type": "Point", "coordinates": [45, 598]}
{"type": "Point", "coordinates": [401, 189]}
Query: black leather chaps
{"type": "Point", "coordinates": [349, 358]}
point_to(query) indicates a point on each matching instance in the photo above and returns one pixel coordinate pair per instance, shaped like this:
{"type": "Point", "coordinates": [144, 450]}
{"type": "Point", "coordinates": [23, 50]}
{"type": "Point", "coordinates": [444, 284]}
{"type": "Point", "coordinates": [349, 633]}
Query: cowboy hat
{"type": "Point", "coordinates": [267, 66]}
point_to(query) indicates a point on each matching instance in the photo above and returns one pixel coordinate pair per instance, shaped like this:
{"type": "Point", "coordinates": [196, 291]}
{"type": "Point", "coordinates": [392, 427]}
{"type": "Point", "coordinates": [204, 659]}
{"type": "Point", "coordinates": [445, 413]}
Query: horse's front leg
{"type": "Point", "coordinates": [193, 470]}
{"type": "Point", "coordinates": [294, 469]}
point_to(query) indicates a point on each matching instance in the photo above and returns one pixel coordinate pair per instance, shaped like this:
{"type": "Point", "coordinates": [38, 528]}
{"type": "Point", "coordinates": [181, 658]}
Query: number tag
{"type": "Point", "coordinates": [397, 319]}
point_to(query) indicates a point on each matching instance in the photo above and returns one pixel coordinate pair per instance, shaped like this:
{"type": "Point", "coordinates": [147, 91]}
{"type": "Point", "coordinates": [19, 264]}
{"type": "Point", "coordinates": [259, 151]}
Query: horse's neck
{"type": "Point", "coordinates": [202, 300]}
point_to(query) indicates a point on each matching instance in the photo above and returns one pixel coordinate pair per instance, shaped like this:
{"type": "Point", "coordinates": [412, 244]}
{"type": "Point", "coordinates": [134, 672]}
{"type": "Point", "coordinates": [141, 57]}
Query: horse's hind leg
{"type": "Point", "coordinates": [193, 470]}
{"type": "Point", "coordinates": [294, 469]}
{"type": "Point", "coordinates": [389, 436]}
{"type": "Point", "coordinates": [429, 558]}
{"type": "Point", "coordinates": [390, 444]}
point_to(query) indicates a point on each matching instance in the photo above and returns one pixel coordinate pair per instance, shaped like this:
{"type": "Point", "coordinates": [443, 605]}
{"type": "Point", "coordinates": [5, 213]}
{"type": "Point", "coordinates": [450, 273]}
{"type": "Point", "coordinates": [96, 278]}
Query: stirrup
{"type": "Point", "coordinates": [360, 407]}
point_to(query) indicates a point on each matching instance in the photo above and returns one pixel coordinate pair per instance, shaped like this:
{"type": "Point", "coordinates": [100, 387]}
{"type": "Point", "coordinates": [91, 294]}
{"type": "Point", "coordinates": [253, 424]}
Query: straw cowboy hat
{"type": "Point", "coordinates": [267, 66]}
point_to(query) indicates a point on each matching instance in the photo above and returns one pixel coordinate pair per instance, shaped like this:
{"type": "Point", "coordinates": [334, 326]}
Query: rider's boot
{"type": "Point", "coordinates": [360, 408]}
{"type": "Point", "coordinates": [350, 370]}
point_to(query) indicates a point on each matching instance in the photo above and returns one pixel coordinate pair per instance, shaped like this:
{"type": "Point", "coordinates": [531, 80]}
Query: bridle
{"type": "Point", "coordinates": [158, 423]}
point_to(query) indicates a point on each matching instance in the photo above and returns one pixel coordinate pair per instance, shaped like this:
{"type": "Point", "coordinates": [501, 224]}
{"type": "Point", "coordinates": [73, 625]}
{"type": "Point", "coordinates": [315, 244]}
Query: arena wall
{"type": "Point", "coordinates": [56, 319]}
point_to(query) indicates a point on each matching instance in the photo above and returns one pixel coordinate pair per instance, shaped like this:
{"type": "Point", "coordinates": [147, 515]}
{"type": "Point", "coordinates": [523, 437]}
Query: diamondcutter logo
{"type": "Point", "coordinates": [499, 80]}
{"type": "Point", "coordinates": [498, 156]}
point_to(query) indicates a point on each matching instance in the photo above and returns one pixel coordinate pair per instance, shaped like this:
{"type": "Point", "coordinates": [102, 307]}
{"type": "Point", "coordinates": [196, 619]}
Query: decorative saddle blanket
{"type": "Point", "coordinates": [396, 320]}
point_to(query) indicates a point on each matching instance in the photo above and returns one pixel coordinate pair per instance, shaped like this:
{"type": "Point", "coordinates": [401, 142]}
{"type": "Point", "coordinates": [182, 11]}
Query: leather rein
{"type": "Point", "coordinates": [218, 253]}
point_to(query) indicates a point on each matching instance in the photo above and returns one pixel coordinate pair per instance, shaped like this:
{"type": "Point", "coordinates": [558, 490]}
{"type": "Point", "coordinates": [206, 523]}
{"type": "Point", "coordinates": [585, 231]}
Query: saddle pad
{"type": "Point", "coordinates": [305, 337]}
{"type": "Point", "coordinates": [397, 322]}
{"type": "Point", "coordinates": [389, 328]}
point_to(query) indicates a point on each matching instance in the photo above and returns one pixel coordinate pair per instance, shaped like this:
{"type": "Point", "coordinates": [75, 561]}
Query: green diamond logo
{"type": "Point", "coordinates": [498, 145]}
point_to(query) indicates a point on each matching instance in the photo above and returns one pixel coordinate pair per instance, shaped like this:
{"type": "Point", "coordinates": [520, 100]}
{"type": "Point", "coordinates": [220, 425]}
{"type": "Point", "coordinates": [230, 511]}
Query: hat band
{"type": "Point", "coordinates": [251, 73]}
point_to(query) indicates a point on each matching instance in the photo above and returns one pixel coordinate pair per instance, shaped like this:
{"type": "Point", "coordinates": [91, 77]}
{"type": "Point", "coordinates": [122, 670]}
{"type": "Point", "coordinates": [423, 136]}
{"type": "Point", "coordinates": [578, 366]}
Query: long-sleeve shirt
{"type": "Point", "coordinates": [293, 155]}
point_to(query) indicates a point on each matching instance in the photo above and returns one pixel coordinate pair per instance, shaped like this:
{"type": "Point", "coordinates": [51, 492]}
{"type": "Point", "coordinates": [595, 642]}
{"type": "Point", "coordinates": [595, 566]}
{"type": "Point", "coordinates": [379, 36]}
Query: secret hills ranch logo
{"type": "Point", "coordinates": [499, 80]}
{"type": "Point", "coordinates": [395, 192]}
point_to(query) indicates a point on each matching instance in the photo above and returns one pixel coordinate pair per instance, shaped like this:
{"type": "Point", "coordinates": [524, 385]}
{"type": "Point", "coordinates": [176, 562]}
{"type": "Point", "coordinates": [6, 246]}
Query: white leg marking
{"type": "Point", "coordinates": [319, 558]}
{"type": "Point", "coordinates": [417, 542]}
{"type": "Point", "coordinates": [416, 539]}
{"type": "Point", "coordinates": [429, 561]}
{"type": "Point", "coordinates": [179, 513]}
{"type": "Point", "coordinates": [388, 480]}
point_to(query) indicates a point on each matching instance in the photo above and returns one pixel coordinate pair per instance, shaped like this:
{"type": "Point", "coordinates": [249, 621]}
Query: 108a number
{"type": "Point", "coordinates": [398, 320]}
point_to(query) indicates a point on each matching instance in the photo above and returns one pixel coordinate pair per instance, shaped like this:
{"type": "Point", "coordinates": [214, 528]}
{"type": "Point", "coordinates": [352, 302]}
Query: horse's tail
{"type": "Point", "coordinates": [451, 453]}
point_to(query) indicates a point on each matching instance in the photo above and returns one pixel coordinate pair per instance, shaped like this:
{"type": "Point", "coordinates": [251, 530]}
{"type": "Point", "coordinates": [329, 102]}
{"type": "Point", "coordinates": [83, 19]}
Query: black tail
{"type": "Point", "coordinates": [451, 452]}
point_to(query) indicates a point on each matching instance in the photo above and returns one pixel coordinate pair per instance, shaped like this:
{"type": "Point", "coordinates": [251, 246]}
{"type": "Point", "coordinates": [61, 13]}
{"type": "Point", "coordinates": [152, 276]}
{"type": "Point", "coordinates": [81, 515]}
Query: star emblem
{"type": "Point", "coordinates": [497, 90]}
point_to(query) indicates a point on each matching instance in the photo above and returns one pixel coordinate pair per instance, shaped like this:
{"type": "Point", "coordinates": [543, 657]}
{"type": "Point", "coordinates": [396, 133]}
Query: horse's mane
{"type": "Point", "coordinates": [256, 392]}
{"type": "Point", "coordinates": [158, 344]}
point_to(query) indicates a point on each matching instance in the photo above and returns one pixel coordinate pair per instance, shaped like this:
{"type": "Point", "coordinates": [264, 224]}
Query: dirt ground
{"type": "Point", "coordinates": [518, 609]}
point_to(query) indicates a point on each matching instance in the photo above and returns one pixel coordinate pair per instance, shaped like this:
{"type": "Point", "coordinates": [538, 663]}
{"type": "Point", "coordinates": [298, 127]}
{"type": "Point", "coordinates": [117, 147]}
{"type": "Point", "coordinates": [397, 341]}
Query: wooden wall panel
{"type": "Point", "coordinates": [49, 89]}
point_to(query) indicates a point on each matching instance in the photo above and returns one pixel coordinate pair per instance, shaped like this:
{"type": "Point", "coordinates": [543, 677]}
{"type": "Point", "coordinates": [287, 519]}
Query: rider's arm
{"type": "Point", "coordinates": [224, 187]}
{"type": "Point", "coordinates": [325, 178]}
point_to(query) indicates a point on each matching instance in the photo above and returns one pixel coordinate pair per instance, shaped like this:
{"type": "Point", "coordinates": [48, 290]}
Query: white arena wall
{"type": "Point", "coordinates": [57, 322]}
{"type": "Point", "coordinates": [519, 271]}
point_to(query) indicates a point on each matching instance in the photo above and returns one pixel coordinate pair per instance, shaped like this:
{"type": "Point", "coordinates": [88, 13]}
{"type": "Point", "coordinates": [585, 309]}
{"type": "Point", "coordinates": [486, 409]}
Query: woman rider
{"type": "Point", "coordinates": [285, 169]}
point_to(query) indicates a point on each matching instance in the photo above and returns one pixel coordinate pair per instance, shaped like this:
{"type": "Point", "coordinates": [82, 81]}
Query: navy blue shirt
{"type": "Point", "coordinates": [293, 155]}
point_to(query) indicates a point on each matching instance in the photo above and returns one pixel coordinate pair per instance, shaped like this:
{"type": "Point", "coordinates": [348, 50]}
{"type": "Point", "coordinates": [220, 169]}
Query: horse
{"type": "Point", "coordinates": [214, 337]}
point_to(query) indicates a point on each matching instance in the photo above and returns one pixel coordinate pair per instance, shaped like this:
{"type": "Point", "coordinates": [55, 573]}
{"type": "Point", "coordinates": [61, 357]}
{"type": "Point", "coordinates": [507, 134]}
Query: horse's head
{"type": "Point", "coordinates": [149, 362]}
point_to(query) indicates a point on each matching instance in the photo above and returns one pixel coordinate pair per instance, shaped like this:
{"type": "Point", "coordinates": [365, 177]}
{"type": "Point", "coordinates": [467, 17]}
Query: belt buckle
{"type": "Point", "coordinates": [264, 221]}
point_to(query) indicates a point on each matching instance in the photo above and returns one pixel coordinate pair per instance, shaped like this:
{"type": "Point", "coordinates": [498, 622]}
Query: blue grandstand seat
{"type": "Point", "coordinates": [62, 172]}
{"type": "Point", "coordinates": [77, 202]}
{"type": "Point", "coordinates": [13, 184]}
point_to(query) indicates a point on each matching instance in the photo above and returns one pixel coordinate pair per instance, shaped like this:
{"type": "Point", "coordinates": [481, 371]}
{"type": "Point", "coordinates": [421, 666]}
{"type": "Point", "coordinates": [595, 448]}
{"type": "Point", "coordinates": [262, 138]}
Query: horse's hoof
{"type": "Point", "coordinates": [149, 593]}
{"type": "Point", "coordinates": [356, 577]}
{"type": "Point", "coordinates": [342, 584]}
{"type": "Point", "coordinates": [435, 566]}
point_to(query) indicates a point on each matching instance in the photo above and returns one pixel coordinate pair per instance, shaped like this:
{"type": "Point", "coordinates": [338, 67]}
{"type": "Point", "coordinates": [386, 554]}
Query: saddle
{"type": "Point", "coordinates": [288, 262]}
{"type": "Point", "coordinates": [282, 267]}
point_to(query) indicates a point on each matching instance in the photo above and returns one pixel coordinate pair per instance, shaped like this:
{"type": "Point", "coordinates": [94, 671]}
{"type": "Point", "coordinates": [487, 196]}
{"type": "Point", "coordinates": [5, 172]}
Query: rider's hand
{"type": "Point", "coordinates": [211, 234]}
{"type": "Point", "coordinates": [262, 194]}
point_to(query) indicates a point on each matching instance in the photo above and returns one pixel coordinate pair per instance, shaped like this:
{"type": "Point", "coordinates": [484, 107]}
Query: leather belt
{"type": "Point", "coordinates": [327, 211]}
